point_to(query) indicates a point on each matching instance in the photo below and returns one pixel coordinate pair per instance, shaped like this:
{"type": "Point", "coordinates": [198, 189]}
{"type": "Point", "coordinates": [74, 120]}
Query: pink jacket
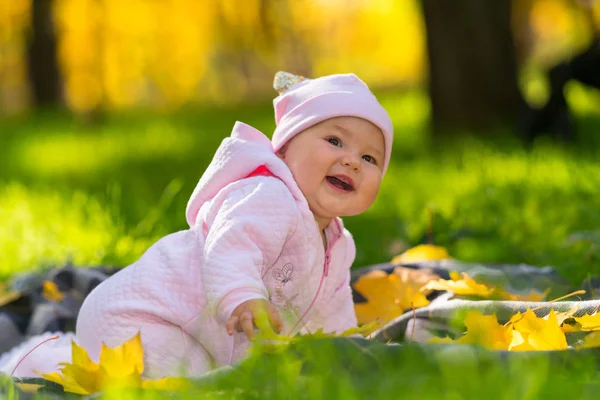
{"type": "Point", "coordinates": [251, 236]}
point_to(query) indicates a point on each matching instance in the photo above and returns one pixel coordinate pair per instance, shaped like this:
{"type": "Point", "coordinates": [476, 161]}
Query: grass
{"type": "Point", "coordinates": [104, 193]}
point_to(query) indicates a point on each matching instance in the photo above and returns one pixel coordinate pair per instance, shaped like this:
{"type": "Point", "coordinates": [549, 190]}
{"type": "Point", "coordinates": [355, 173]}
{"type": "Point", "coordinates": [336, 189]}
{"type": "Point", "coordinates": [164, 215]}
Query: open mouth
{"type": "Point", "coordinates": [337, 182]}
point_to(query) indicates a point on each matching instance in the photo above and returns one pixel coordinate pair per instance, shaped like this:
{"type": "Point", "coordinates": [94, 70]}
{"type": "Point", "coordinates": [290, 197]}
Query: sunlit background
{"type": "Point", "coordinates": [110, 110]}
{"type": "Point", "coordinates": [168, 53]}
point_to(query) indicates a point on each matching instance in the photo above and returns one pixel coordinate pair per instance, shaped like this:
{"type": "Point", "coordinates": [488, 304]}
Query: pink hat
{"type": "Point", "coordinates": [303, 103]}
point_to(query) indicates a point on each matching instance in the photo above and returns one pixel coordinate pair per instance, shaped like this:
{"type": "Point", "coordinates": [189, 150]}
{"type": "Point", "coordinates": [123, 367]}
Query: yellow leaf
{"type": "Point", "coordinates": [464, 286]}
{"type": "Point", "coordinates": [124, 360]}
{"type": "Point", "coordinates": [120, 366]}
{"type": "Point", "coordinates": [589, 322]}
{"type": "Point", "coordinates": [79, 356]}
{"type": "Point", "coordinates": [531, 296]}
{"type": "Point", "coordinates": [76, 377]}
{"type": "Point", "coordinates": [483, 330]}
{"type": "Point", "coordinates": [561, 317]}
{"type": "Point", "coordinates": [423, 252]}
{"type": "Point", "coordinates": [51, 292]}
{"type": "Point", "coordinates": [72, 381]}
{"type": "Point", "coordinates": [590, 340]}
{"type": "Point", "coordinates": [518, 342]}
{"type": "Point", "coordinates": [537, 333]}
{"type": "Point", "coordinates": [389, 295]}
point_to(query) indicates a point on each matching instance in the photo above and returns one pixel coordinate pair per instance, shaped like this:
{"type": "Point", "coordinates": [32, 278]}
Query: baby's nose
{"type": "Point", "coordinates": [351, 160]}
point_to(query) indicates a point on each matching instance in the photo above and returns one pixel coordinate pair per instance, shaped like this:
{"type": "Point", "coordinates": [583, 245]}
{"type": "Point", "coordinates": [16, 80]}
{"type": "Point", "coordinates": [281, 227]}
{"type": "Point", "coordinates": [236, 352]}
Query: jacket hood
{"type": "Point", "coordinates": [237, 157]}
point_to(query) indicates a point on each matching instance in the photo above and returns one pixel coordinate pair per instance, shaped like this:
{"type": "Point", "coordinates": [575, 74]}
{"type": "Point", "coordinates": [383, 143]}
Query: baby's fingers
{"type": "Point", "coordinates": [232, 324]}
{"type": "Point", "coordinates": [247, 324]}
{"type": "Point", "coordinates": [276, 322]}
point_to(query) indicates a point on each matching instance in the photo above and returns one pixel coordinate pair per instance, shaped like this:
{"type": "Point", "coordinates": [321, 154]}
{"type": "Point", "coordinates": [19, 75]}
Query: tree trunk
{"type": "Point", "coordinates": [43, 69]}
{"type": "Point", "coordinates": [472, 64]}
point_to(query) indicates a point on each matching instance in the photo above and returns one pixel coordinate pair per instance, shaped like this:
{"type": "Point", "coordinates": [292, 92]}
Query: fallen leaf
{"type": "Point", "coordinates": [120, 366]}
{"type": "Point", "coordinates": [589, 322]}
{"type": "Point", "coordinates": [533, 333]}
{"type": "Point", "coordinates": [590, 340]}
{"type": "Point", "coordinates": [483, 330]}
{"type": "Point", "coordinates": [458, 286]}
{"type": "Point", "coordinates": [51, 292]}
{"type": "Point", "coordinates": [390, 295]}
{"type": "Point", "coordinates": [567, 322]}
{"type": "Point", "coordinates": [420, 253]}
{"type": "Point", "coordinates": [531, 296]}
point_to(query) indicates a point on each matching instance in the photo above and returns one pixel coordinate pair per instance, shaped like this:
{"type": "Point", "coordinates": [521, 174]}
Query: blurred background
{"type": "Point", "coordinates": [110, 111]}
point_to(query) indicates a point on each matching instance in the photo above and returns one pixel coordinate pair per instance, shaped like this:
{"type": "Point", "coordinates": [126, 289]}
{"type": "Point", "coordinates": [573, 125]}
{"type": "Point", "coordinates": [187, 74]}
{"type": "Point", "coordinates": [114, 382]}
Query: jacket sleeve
{"type": "Point", "coordinates": [246, 233]}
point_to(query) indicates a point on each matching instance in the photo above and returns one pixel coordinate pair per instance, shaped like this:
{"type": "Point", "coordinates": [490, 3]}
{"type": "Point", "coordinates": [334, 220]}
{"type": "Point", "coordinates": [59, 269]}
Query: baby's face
{"type": "Point", "coordinates": [337, 165]}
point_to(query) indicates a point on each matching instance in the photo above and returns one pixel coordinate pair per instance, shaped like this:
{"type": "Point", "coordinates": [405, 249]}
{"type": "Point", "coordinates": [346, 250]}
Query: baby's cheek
{"type": "Point", "coordinates": [372, 189]}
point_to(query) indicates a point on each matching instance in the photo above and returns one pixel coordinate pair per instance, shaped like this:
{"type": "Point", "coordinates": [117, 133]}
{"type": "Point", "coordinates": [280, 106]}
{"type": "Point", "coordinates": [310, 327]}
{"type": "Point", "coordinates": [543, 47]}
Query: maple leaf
{"type": "Point", "coordinates": [483, 330]}
{"type": "Point", "coordinates": [464, 286]}
{"type": "Point", "coordinates": [120, 366]}
{"type": "Point", "coordinates": [51, 292]}
{"type": "Point", "coordinates": [589, 322]}
{"type": "Point", "coordinates": [590, 340]}
{"type": "Point", "coordinates": [565, 318]}
{"type": "Point", "coordinates": [531, 296]}
{"type": "Point", "coordinates": [389, 295]}
{"type": "Point", "coordinates": [533, 333]}
{"type": "Point", "coordinates": [420, 253]}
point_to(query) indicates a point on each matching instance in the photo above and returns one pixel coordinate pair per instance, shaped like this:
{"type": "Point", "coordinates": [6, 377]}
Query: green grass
{"type": "Point", "coordinates": [349, 369]}
{"type": "Point", "coordinates": [104, 193]}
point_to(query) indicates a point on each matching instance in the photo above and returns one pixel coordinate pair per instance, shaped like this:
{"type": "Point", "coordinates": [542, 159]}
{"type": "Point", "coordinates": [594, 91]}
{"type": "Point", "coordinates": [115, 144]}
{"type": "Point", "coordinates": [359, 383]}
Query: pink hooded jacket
{"type": "Point", "coordinates": [252, 235]}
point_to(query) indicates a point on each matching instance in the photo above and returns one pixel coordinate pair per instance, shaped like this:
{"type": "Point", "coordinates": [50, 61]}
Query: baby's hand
{"type": "Point", "coordinates": [244, 317]}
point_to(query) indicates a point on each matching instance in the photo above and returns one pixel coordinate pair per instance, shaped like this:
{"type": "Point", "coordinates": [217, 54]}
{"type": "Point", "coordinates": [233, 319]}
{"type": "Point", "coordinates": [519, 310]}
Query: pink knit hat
{"type": "Point", "coordinates": [303, 103]}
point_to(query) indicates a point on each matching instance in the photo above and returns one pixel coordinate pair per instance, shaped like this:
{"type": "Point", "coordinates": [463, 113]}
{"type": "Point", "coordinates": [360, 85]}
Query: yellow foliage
{"type": "Point", "coordinates": [464, 286]}
{"type": "Point", "coordinates": [164, 53]}
{"type": "Point", "coordinates": [422, 252]}
{"type": "Point", "coordinates": [485, 330]}
{"type": "Point", "coordinates": [524, 332]}
{"type": "Point", "coordinates": [389, 295]}
{"type": "Point", "coordinates": [467, 286]}
{"type": "Point", "coordinates": [589, 322]}
{"type": "Point", "coordinates": [531, 296]}
{"type": "Point", "coordinates": [591, 340]}
{"type": "Point", "coordinates": [51, 292]}
{"type": "Point", "coordinates": [533, 333]}
{"type": "Point", "coordinates": [121, 366]}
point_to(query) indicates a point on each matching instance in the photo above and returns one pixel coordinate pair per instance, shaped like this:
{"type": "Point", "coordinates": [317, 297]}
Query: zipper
{"type": "Point", "coordinates": [323, 276]}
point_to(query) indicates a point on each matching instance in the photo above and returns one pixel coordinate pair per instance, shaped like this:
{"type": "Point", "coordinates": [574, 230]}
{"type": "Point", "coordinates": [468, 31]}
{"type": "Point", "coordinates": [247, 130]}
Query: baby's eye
{"type": "Point", "coordinates": [369, 159]}
{"type": "Point", "coordinates": [334, 141]}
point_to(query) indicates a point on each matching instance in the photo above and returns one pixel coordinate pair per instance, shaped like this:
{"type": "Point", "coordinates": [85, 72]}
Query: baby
{"type": "Point", "coordinates": [265, 234]}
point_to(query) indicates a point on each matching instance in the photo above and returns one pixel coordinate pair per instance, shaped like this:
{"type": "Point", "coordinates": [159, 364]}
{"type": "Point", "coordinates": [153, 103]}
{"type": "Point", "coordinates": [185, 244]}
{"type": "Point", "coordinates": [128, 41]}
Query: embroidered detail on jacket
{"type": "Point", "coordinates": [280, 300]}
{"type": "Point", "coordinates": [284, 274]}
